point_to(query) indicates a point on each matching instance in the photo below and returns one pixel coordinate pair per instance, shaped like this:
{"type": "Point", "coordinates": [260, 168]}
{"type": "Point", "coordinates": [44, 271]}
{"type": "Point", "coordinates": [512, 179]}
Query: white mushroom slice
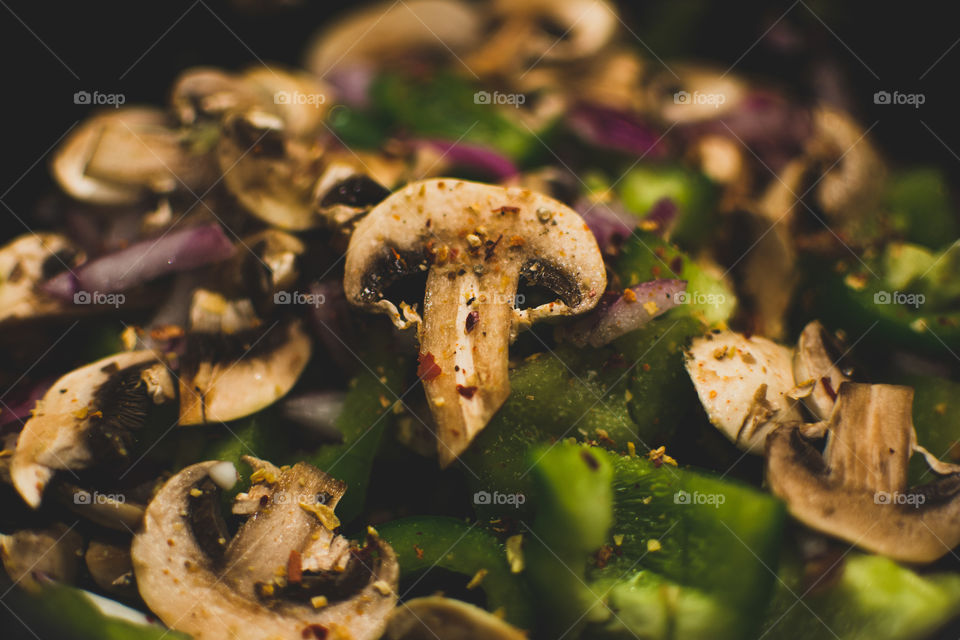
{"type": "Point", "coordinates": [22, 265]}
{"type": "Point", "coordinates": [228, 376]}
{"type": "Point", "coordinates": [475, 241]}
{"type": "Point", "coordinates": [54, 553]}
{"type": "Point", "coordinates": [438, 617]}
{"type": "Point", "coordinates": [255, 585]}
{"type": "Point", "coordinates": [300, 99]}
{"type": "Point", "coordinates": [86, 417]}
{"type": "Point", "coordinates": [115, 156]}
{"type": "Point", "coordinates": [816, 363]}
{"type": "Point", "coordinates": [857, 489]}
{"type": "Point", "coordinates": [744, 385]}
{"type": "Point", "coordinates": [389, 30]}
{"type": "Point", "coordinates": [701, 93]}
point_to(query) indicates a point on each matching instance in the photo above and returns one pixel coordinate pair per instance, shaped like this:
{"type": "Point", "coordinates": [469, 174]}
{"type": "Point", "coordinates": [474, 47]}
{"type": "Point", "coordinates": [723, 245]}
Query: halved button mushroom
{"type": "Point", "coordinates": [857, 489]}
{"type": "Point", "coordinates": [475, 241]}
{"type": "Point", "coordinates": [744, 385]}
{"type": "Point", "coordinates": [234, 366]}
{"type": "Point", "coordinates": [88, 417]}
{"type": "Point", "coordinates": [284, 574]}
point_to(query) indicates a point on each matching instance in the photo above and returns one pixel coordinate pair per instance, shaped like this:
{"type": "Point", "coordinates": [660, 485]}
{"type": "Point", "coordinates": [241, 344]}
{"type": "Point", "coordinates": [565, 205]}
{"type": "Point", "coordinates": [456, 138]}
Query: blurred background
{"type": "Point", "coordinates": [847, 50]}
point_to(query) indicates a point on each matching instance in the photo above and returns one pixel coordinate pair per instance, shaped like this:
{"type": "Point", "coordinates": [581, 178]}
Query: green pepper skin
{"type": "Point", "coordinates": [424, 542]}
{"type": "Point", "coordinates": [693, 193]}
{"type": "Point", "coordinates": [919, 204]}
{"type": "Point", "coordinates": [873, 599]}
{"type": "Point", "coordinates": [636, 390]}
{"type": "Point", "coordinates": [708, 571]}
{"type": "Point", "coordinates": [362, 423]}
{"type": "Point", "coordinates": [646, 256]}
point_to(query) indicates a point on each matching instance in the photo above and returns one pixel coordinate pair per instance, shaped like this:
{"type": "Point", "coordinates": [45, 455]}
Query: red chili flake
{"type": "Point", "coordinates": [466, 392]}
{"type": "Point", "coordinates": [316, 631]}
{"type": "Point", "coordinates": [590, 460]}
{"type": "Point", "coordinates": [503, 210]}
{"type": "Point", "coordinates": [676, 265]}
{"type": "Point", "coordinates": [825, 381]}
{"type": "Point", "coordinates": [418, 551]}
{"type": "Point", "coordinates": [427, 367]}
{"type": "Point", "coordinates": [603, 556]}
{"type": "Point", "coordinates": [294, 567]}
{"type": "Point", "coordinates": [645, 366]}
{"type": "Point", "coordinates": [472, 319]}
{"type": "Point", "coordinates": [655, 270]}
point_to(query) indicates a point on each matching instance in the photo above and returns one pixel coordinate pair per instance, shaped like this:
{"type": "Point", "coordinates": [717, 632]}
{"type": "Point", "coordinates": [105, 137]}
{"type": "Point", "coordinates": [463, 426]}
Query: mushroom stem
{"type": "Point", "coordinates": [466, 329]}
{"type": "Point", "coordinates": [868, 446]}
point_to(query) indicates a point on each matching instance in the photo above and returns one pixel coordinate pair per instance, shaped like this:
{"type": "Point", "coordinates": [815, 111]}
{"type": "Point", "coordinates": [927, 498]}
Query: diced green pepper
{"type": "Point", "coordinates": [920, 209]}
{"type": "Point", "coordinates": [424, 542]}
{"type": "Point", "coordinates": [874, 599]}
{"type": "Point", "coordinates": [692, 192]}
{"type": "Point", "coordinates": [646, 256]}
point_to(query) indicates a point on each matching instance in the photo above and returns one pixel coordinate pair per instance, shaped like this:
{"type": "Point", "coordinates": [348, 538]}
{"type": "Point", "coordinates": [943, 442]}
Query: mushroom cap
{"type": "Point", "coordinates": [743, 384]}
{"type": "Point", "coordinates": [815, 361]}
{"type": "Point", "coordinates": [441, 213]}
{"type": "Point", "coordinates": [57, 436]}
{"type": "Point", "coordinates": [209, 587]}
{"type": "Point", "coordinates": [22, 263]}
{"type": "Point", "coordinates": [438, 617]}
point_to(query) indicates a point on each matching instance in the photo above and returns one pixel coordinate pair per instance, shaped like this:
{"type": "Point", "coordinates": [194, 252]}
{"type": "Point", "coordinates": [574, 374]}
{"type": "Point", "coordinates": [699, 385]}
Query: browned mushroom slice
{"type": "Point", "coordinates": [88, 416]}
{"type": "Point", "coordinates": [110, 567]}
{"type": "Point", "coordinates": [114, 157]}
{"type": "Point", "coordinates": [475, 241]}
{"type": "Point", "coordinates": [284, 574]}
{"type": "Point", "coordinates": [346, 191]}
{"type": "Point", "coordinates": [53, 552]}
{"type": "Point", "coordinates": [817, 369]}
{"type": "Point", "coordinates": [439, 617]}
{"type": "Point", "coordinates": [235, 366]}
{"type": "Point", "coordinates": [25, 263]}
{"type": "Point", "coordinates": [689, 93]}
{"type": "Point", "coordinates": [383, 33]}
{"type": "Point", "coordinates": [857, 490]}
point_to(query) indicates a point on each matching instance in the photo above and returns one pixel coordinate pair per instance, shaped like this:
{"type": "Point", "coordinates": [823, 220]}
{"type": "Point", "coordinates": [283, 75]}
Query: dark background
{"type": "Point", "coordinates": [51, 50]}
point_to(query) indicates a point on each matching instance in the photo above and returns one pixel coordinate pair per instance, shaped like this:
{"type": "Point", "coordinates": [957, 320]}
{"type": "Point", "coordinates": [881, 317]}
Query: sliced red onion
{"type": "Point", "coordinates": [144, 261]}
{"type": "Point", "coordinates": [474, 157]}
{"type": "Point", "coordinates": [610, 223]}
{"type": "Point", "coordinates": [17, 408]}
{"type": "Point", "coordinates": [353, 84]}
{"type": "Point", "coordinates": [617, 315]}
{"type": "Point", "coordinates": [316, 411]}
{"type": "Point", "coordinates": [663, 213]}
{"type": "Point", "coordinates": [614, 129]}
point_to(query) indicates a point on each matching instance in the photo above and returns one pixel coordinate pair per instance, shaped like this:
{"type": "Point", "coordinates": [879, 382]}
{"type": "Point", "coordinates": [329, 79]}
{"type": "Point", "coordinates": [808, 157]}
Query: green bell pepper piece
{"type": "Point", "coordinates": [874, 599]}
{"type": "Point", "coordinates": [424, 542]}
{"type": "Point", "coordinates": [646, 256]}
{"type": "Point", "coordinates": [693, 193]}
{"type": "Point", "coordinates": [920, 209]}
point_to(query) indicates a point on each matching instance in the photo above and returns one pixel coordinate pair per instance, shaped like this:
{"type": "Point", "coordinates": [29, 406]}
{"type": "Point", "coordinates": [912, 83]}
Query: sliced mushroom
{"type": "Point", "coordinates": [383, 33]}
{"type": "Point", "coordinates": [111, 510]}
{"type": "Point", "coordinates": [110, 567]}
{"type": "Point", "coordinates": [438, 617]}
{"type": "Point", "coordinates": [115, 157]}
{"type": "Point", "coordinates": [268, 171]}
{"type": "Point", "coordinates": [25, 263]}
{"type": "Point", "coordinates": [234, 366]}
{"type": "Point", "coordinates": [346, 191]}
{"type": "Point", "coordinates": [689, 93]}
{"type": "Point", "coordinates": [744, 385]}
{"type": "Point", "coordinates": [857, 489]}
{"type": "Point", "coordinates": [88, 416]}
{"type": "Point", "coordinates": [532, 31]}
{"type": "Point", "coordinates": [475, 242]}
{"type": "Point", "coordinates": [284, 574]}
{"type": "Point", "coordinates": [54, 553]}
{"type": "Point", "coordinates": [817, 365]}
